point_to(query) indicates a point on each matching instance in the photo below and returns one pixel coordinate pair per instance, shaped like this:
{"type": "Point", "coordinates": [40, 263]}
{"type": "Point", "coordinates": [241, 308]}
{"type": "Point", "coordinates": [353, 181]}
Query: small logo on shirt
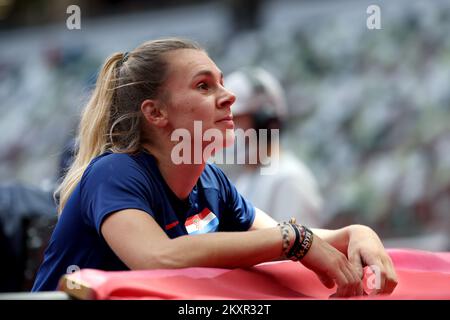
{"type": "Point", "coordinates": [203, 222]}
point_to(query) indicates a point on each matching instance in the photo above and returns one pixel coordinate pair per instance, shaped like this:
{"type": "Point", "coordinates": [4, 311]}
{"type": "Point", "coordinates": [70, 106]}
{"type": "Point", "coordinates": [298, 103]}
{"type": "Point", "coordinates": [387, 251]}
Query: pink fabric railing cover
{"type": "Point", "coordinates": [421, 275]}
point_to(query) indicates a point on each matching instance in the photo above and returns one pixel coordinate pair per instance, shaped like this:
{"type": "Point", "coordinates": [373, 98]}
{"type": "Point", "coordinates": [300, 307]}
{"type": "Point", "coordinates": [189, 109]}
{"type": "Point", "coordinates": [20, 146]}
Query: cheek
{"type": "Point", "coordinates": [204, 115]}
{"type": "Point", "coordinates": [180, 115]}
{"type": "Point", "coordinates": [184, 112]}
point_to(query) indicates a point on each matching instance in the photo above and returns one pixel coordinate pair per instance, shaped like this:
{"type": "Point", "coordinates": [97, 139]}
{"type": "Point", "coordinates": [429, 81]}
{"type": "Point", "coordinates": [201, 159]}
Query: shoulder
{"type": "Point", "coordinates": [212, 170]}
{"type": "Point", "coordinates": [120, 165]}
{"type": "Point", "coordinates": [112, 160]}
{"type": "Point", "coordinates": [213, 173]}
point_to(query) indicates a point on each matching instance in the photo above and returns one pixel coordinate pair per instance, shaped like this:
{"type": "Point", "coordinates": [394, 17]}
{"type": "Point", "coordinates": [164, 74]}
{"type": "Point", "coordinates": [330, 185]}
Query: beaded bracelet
{"type": "Point", "coordinates": [303, 241]}
{"type": "Point", "coordinates": [285, 235]}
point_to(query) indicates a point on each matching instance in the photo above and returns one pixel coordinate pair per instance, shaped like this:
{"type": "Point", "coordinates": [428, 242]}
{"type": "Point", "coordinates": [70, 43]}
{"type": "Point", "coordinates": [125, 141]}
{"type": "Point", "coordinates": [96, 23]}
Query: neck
{"type": "Point", "coordinates": [181, 178]}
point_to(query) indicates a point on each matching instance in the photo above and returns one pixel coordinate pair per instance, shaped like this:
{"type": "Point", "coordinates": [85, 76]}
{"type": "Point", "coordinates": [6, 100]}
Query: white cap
{"type": "Point", "coordinates": [256, 89]}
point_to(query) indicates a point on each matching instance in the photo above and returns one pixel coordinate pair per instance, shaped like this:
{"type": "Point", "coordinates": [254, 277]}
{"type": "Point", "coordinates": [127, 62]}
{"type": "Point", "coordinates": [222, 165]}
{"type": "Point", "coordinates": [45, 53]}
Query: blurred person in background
{"type": "Point", "coordinates": [292, 189]}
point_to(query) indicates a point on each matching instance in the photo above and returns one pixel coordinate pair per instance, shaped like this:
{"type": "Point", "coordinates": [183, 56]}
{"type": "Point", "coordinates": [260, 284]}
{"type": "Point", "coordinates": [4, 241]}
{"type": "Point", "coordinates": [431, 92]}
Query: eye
{"type": "Point", "coordinates": [203, 86]}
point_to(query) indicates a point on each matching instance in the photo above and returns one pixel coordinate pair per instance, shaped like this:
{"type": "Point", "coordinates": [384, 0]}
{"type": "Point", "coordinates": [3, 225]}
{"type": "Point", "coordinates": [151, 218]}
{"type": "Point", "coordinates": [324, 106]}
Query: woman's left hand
{"type": "Point", "coordinates": [366, 249]}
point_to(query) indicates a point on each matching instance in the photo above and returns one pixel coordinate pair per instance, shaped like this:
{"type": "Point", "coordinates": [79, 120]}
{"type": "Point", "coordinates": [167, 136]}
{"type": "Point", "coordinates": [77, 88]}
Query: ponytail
{"type": "Point", "coordinates": [93, 129]}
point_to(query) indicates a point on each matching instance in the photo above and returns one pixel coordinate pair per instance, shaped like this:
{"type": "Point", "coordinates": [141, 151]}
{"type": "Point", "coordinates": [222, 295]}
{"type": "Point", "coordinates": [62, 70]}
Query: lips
{"type": "Point", "coordinates": [227, 118]}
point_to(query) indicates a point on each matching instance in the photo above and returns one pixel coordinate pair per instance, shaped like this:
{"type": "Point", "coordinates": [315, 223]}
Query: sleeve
{"type": "Point", "coordinates": [111, 186]}
{"type": "Point", "coordinates": [239, 213]}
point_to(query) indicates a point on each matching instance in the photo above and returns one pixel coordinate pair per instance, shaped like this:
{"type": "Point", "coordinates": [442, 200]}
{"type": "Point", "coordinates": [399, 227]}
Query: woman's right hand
{"type": "Point", "coordinates": [332, 267]}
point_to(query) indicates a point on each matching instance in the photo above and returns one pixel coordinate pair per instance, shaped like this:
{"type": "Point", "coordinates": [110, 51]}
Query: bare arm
{"type": "Point", "coordinates": [140, 243]}
{"type": "Point", "coordinates": [262, 221]}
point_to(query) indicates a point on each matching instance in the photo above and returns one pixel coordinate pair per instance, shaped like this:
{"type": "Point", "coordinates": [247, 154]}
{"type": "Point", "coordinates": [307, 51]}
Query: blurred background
{"type": "Point", "coordinates": [369, 109]}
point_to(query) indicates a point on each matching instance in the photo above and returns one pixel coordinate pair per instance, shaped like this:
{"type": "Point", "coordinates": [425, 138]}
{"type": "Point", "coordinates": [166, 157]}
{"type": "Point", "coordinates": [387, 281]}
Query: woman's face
{"type": "Point", "coordinates": [196, 93]}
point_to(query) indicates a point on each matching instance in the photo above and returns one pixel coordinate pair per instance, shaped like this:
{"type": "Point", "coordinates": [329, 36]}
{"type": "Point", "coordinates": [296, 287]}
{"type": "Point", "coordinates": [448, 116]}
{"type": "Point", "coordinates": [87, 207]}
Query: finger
{"type": "Point", "coordinates": [391, 277]}
{"type": "Point", "coordinates": [343, 281]}
{"type": "Point", "coordinates": [342, 292]}
{"type": "Point", "coordinates": [339, 279]}
{"type": "Point", "coordinates": [393, 280]}
{"type": "Point", "coordinates": [389, 286]}
{"type": "Point", "coordinates": [355, 260]}
{"type": "Point", "coordinates": [348, 282]}
{"type": "Point", "coordinates": [355, 282]}
{"type": "Point", "coordinates": [348, 288]}
{"type": "Point", "coordinates": [359, 291]}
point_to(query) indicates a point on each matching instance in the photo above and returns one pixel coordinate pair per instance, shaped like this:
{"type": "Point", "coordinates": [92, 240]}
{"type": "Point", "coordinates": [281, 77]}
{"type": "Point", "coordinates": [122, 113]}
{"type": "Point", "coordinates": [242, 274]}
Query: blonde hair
{"type": "Point", "coordinates": [112, 119]}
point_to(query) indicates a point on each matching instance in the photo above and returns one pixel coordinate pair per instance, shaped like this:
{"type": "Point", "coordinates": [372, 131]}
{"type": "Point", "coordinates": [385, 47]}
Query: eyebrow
{"type": "Point", "coordinates": [207, 73]}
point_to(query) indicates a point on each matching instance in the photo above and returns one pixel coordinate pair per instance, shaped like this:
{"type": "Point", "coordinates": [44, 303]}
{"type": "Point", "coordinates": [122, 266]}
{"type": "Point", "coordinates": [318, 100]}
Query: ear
{"type": "Point", "coordinates": [154, 113]}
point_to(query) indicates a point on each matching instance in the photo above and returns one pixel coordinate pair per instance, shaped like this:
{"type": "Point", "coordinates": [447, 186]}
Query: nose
{"type": "Point", "coordinates": [227, 99]}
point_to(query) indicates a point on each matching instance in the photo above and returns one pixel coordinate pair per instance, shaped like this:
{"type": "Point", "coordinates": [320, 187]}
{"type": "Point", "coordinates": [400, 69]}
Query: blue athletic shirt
{"type": "Point", "coordinates": [114, 182]}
